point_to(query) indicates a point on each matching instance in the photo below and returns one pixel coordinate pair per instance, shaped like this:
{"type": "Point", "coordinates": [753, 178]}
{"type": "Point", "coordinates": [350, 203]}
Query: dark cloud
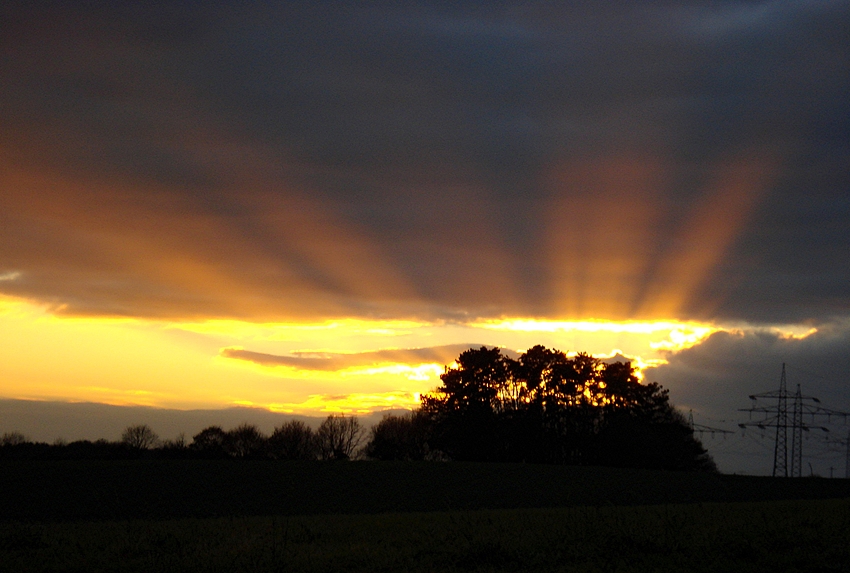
{"type": "Point", "coordinates": [331, 361]}
{"type": "Point", "coordinates": [279, 160]}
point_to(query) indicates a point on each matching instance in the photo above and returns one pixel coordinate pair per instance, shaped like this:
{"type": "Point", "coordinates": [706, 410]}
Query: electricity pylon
{"type": "Point", "coordinates": [776, 416]}
{"type": "Point", "coordinates": [704, 429]}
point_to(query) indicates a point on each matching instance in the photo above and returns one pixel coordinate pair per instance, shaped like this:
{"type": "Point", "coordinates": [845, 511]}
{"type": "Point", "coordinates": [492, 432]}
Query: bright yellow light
{"type": "Point", "coordinates": [792, 332]}
{"type": "Point", "coordinates": [351, 365]}
{"type": "Point", "coordinates": [675, 335]}
{"type": "Point", "coordinates": [350, 403]}
{"type": "Point", "coordinates": [420, 373]}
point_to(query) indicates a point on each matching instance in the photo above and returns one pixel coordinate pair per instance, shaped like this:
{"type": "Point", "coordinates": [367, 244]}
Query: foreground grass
{"type": "Point", "coordinates": [780, 536]}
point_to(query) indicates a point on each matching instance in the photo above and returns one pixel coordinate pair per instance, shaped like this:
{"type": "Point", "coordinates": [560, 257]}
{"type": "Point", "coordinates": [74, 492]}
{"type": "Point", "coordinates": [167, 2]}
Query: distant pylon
{"type": "Point", "coordinates": [797, 434]}
{"type": "Point", "coordinates": [700, 428]}
{"type": "Point", "coordinates": [780, 448]}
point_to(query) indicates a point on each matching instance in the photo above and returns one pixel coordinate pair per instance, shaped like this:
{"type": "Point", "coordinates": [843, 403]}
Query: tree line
{"type": "Point", "coordinates": [339, 437]}
{"type": "Point", "coordinates": [543, 407]}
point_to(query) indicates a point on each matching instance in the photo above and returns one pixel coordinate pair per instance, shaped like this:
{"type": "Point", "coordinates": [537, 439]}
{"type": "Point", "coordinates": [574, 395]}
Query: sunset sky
{"type": "Point", "coordinates": [314, 207]}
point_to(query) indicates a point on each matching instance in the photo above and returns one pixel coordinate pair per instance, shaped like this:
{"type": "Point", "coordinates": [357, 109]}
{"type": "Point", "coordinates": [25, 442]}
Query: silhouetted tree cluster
{"type": "Point", "coordinates": [338, 437]}
{"type": "Point", "coordinates": [244, 441]}
{"type": "Point", "coordinates": [547, 407]}
{"type": "Point", "coordinates": [13, 439]}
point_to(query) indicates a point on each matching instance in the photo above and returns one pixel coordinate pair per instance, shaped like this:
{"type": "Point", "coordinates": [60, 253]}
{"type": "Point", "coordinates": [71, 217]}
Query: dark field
{"type": "Point", "coordinates": [370, 516]}
{"type": "Point", "coordinates": [157, 489]}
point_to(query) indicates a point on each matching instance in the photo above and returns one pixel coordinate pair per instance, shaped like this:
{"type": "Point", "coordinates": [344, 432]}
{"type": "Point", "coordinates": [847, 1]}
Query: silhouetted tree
{"type": "Point", "coordinates": [400, 437]}
{"type": "Point", "coordinates": [294, 440]}
{"type": "Point", "coordinates": [338, 437]}
{"type": "Point", "coordinates": [465, 409]}
{"type": "Point", "coordinates": [139, 437]}
{"type": "Point", "coordinates": [211, 442]}
{"type": "Point", "coordinates": [246, 440]}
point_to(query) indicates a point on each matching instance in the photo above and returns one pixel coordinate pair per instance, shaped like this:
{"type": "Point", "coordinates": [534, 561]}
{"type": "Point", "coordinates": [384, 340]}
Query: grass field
{"type": "Point", "coordinates": [264, 516]}
{"type": "Point", "coordinates": [768, 536]}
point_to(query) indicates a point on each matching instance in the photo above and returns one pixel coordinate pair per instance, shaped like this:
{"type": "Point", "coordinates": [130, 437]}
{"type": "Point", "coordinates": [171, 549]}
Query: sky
{"type": "Point", "coordinates": [308, 208]}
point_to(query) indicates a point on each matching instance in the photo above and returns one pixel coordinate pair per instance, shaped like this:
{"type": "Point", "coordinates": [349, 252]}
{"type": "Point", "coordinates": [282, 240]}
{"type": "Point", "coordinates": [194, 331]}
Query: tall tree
{"type": "Point", "coordinates": [466, 408]}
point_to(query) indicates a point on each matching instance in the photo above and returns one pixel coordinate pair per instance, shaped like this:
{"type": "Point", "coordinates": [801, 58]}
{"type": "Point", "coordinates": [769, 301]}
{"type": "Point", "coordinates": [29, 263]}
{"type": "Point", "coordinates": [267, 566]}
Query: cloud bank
{"type": "Point", "coordinates": [716, 378]}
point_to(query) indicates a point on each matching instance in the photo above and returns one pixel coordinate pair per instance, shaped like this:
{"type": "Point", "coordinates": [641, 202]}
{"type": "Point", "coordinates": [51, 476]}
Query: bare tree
{"type": "Point", "coordinates": [338, 437]}
{"type": "Point", "coordinates": [13, 439]}
{"type": "Point", "coordinates": [178, 443]}
{"type": "Point", "coordinates": [139, 437]}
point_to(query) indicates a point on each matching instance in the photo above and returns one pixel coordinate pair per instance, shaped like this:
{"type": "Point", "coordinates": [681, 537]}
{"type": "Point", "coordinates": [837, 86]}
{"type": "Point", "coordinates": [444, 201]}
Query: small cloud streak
{"type": "Point", "coordinates": [10, 276]}
{"type": "Point", "coordinates": [334, 361]}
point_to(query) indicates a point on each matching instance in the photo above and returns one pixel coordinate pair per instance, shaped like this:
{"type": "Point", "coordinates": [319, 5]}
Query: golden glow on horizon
{"type": "Point", "coordinates": [350, 403]}
{"type": "Point", "coordinates": [347, 365]}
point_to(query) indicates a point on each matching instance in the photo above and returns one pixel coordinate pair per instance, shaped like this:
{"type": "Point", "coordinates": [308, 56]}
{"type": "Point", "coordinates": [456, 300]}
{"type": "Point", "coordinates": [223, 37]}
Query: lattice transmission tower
{"type": "Point", "coordinates": [703, 429]}
{"type": "Point", "coordinates": [778, 416]}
